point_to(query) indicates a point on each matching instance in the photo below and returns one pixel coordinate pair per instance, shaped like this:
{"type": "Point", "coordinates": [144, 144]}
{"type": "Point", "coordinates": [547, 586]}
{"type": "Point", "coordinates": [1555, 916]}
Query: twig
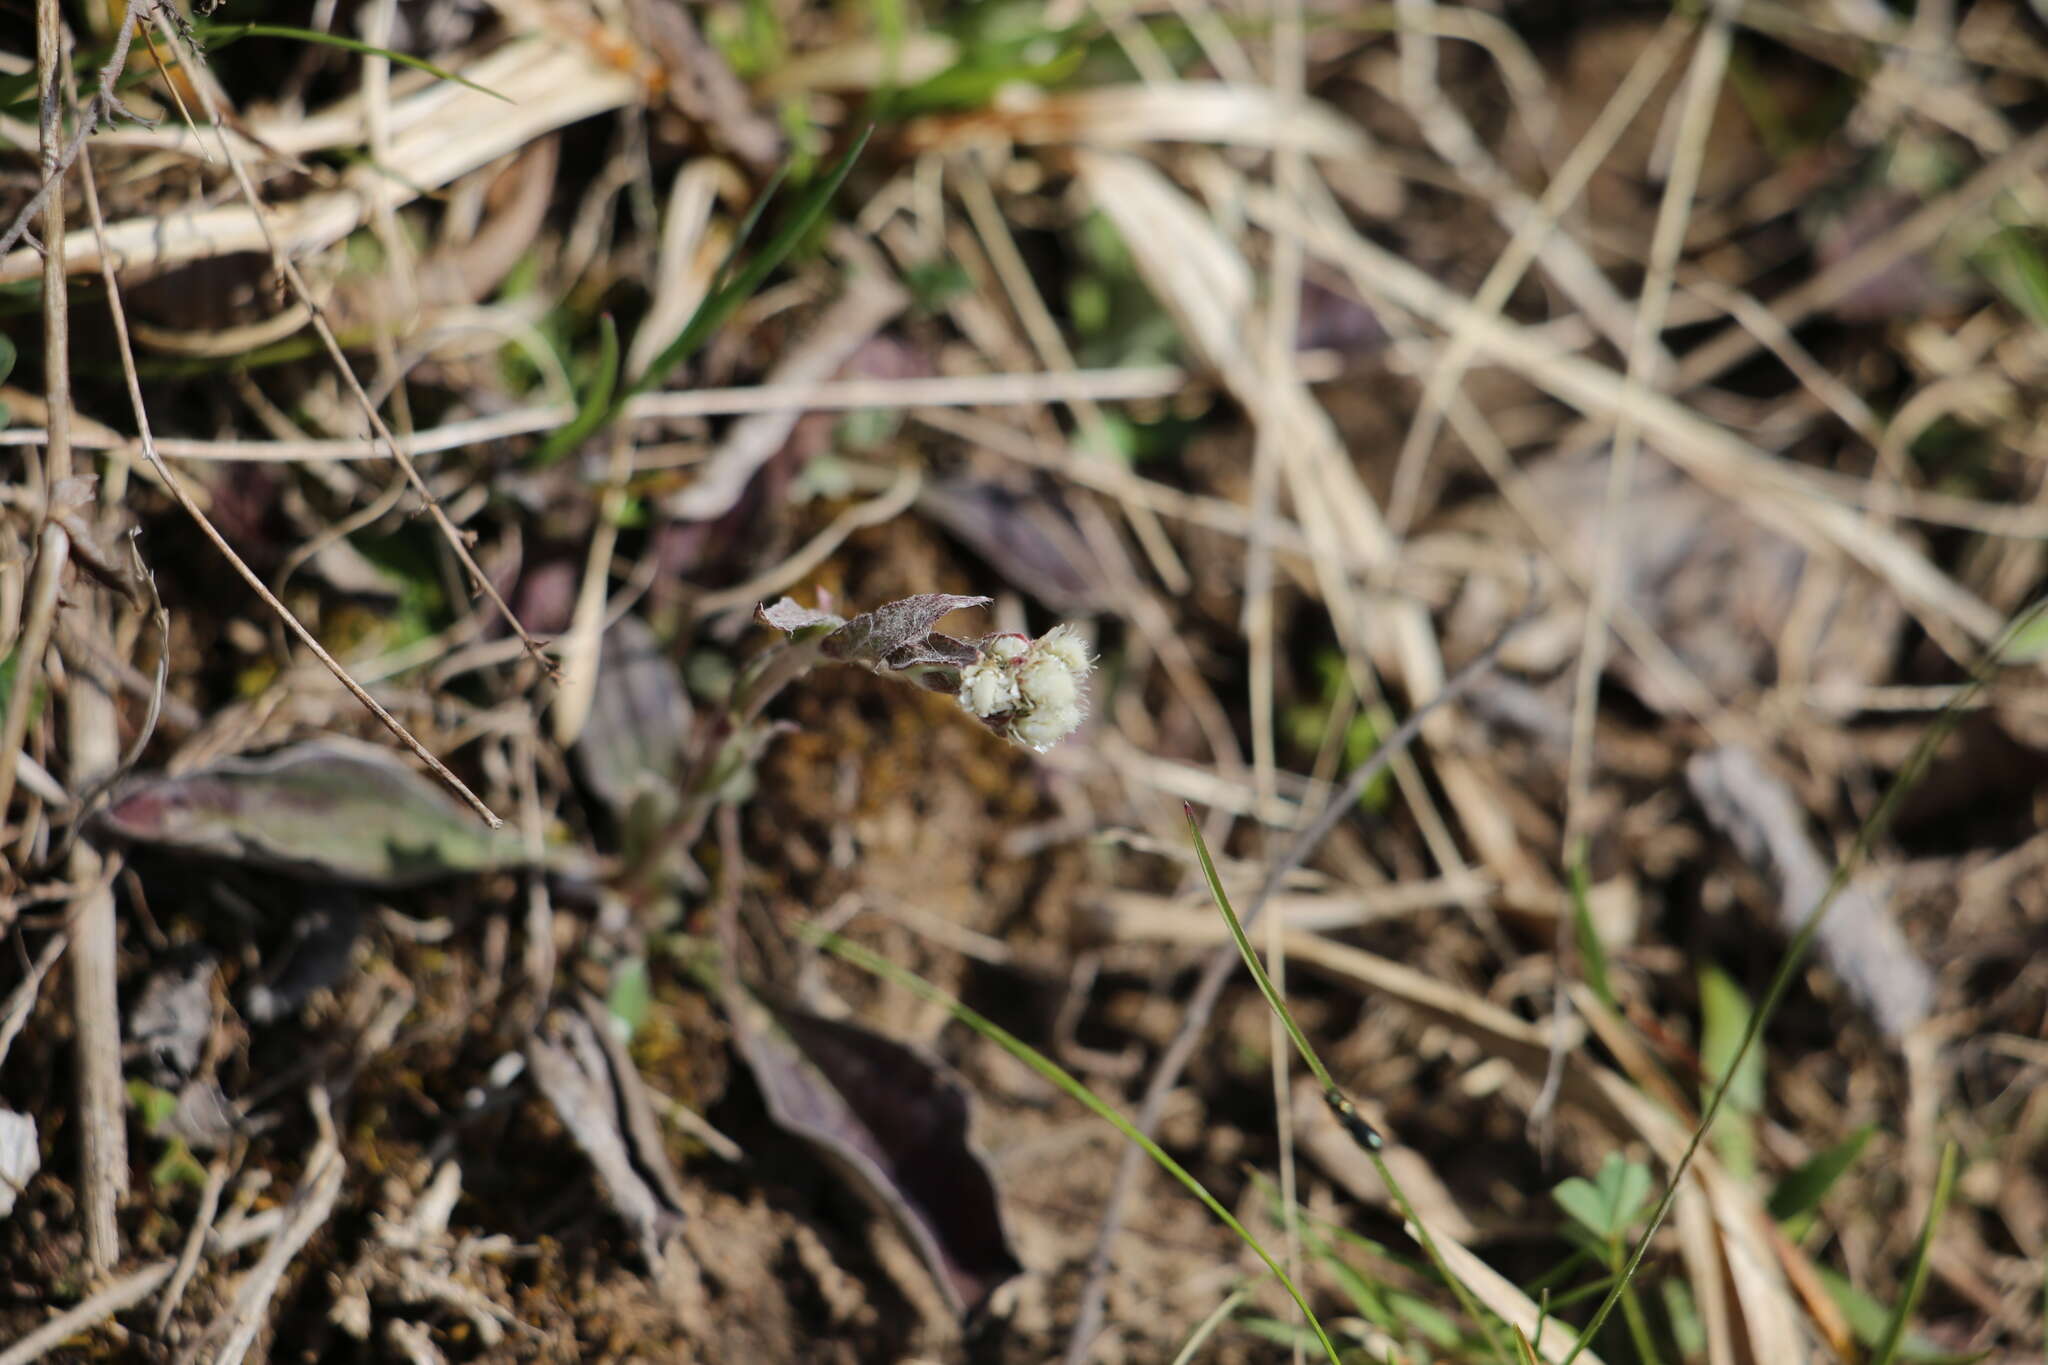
{"type": "Point", "coordinates": [1667, 241]}
{"type": "Point", "coordinates": [29, 648]}
{"type": "Point", "coordinates": [1216, 973]}
{"type": "Point", "coordinates": [311, 1204]}
{"type": "Point", "coordinates": [22, 999]}
{"type": "Point", "coordinates": [195, 1244]}
{"type": "Point", "coordinates": [171, 481]}
{"type": "Point", "coordinates": [125, 1293]}
{"type": "Point", "coordinates": [56, 162]}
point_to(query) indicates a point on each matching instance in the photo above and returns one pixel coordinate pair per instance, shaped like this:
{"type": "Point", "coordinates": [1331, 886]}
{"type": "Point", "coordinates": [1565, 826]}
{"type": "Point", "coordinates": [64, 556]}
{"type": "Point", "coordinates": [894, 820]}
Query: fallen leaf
{"type": "Point", "coordinates": [896, 1122]}
{"type": "Point", "coordinates": [1025, 536]}
{"type": "Point", "coordinates": [575, 1076]}
{"type": "Point", "coordinates": [170, 1020]}
{"type": "Point", "coordinates": [640, 719]}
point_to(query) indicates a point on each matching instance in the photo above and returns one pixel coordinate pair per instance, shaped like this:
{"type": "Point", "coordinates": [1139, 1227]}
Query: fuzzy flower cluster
{"type": "Point", "coordinates": [1028, 690]}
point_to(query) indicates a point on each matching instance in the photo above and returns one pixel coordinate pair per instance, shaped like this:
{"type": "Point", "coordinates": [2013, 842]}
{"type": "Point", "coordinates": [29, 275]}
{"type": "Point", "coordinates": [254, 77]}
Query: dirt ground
{"type": "Point", "coordinates": [1309, 361]}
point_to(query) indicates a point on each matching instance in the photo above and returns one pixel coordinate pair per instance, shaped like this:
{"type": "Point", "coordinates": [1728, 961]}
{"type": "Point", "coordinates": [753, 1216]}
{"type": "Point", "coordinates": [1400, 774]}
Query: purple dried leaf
{"type": "Point", "coordinates": [325, 808]}
{"type": "Point", "coordinates": [876, 637]}
{"type": "Point", "coordinates": [1027, 537]}
{"type": "Point", "coordinates": [896, 1123]}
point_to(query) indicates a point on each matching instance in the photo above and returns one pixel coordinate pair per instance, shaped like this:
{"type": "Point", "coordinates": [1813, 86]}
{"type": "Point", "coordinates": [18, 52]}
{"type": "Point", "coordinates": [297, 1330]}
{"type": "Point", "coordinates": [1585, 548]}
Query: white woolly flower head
{"type": "Point", "coordinates": [1029, 690]}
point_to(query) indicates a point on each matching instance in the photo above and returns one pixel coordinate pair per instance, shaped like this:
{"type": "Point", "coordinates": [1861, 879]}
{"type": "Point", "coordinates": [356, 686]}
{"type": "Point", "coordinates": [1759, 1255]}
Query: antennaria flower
{"type": "Point", "coordinates": [1028, 690]}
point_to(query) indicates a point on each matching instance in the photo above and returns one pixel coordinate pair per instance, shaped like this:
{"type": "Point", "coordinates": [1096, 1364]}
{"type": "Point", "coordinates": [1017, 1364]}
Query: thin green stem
{"type": "Point", "coordinates": [1895, 1334]}
{"type": "Point", "coordinates": [1339, 1103]}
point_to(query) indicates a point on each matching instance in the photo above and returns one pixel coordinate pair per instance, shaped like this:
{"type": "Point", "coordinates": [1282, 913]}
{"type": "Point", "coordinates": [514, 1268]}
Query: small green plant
{"type": "Point", "coordinates": [1603, 1211]}
{"type": "Point", "coordinates": [176, 1164]}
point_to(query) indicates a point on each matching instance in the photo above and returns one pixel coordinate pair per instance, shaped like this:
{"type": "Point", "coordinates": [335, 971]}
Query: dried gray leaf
{"type": "Point", "coordinates": [899, 634]}
{"type": "Point", "coordinates": [1859, 941]}
{"type": "Point", "coordinates": [20, 1157]}
{"type": "Point", "coordinates": [171, 1019]}
{"type": "Point", "coordinates": [788, 615]}
{"type": "Point", "coordinates": [636, 1109]}
{"type": "Point", "coordinates": [205, 1118]}
{"type": "Point", "coordinates": [324, 808]}
{"type": "Point", "coordinates": [896, 1123]}
{"type": "Point", "coordinates": [575, 1079]}
{"type": "Point", "coordinates": [640, 719]}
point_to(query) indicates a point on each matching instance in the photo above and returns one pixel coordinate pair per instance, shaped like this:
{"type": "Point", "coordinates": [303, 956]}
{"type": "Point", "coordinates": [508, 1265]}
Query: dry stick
{"type": "Point", "coordinates": [1020, 389]}
{"type": "Point", "coordinates": [22, 999]}
{"type": "Point", "coordinates": [195, 1245]}
{"type": "Point", "coordinates": [1283, 316]}
{"type": "Point", "coordinates": [115, 1298]}
{"type": "Point", "coordinates": [93, 738]}
{"type": "Point", "coordinates": [1217, 971]}
{"type": "Point", "coordinates": [452, 533]}
{"type": "Point", "coordinates": [1667, 241]}
{"type": "Point", "coordinates": [312, 1203]}
{"type": "Point", "coordinates": [29, 648]}
{"type": "Point", "coordinates": [171, 481]}
{"type": "Point", "coordinates": [92, 744]}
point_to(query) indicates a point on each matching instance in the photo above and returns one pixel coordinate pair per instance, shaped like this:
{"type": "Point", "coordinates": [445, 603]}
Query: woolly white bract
{"type": "Point", "coordinates": [1029, 690]}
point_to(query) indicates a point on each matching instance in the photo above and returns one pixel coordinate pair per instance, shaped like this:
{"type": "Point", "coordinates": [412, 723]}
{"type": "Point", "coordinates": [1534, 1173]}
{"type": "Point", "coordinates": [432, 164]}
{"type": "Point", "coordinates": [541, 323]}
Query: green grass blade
{"type": "Point", "coordinates": [1801, 1191]}
{"type": "Point", "coordinates": [725, 297]}
{"type": "Point", "coordinates": [1251, 959]}
{"type": "Point", "coordinates": [1895, 1333]}
{"type": "Point", "coordinates": [596, 404]}
{"type": "Point", "coordinates": [1065, 1080]}
{"type": "Point", "coordinates": [1592, 952]}
{"type": "Point", "coordinates": [1724, 1021]}
{"type": "Point", "coordinates": [220, 35]}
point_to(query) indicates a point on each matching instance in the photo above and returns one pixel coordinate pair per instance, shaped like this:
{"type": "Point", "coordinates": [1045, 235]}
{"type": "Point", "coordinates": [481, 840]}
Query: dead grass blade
{"type": "Point", "coordinates": [1777, 494]}
{"type": "Point", "coordinates": [178, 491]}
